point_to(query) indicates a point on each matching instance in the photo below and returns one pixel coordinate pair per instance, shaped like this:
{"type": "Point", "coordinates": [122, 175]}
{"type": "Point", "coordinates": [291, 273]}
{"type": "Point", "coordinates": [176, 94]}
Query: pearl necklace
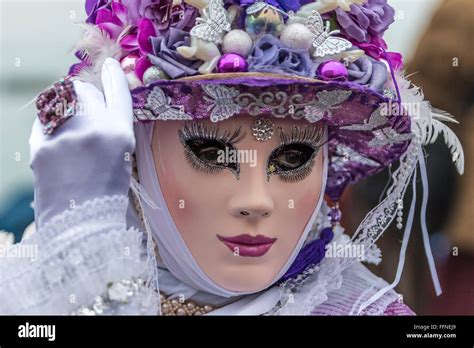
{"type": "Point", "coordinates": [182, 308]}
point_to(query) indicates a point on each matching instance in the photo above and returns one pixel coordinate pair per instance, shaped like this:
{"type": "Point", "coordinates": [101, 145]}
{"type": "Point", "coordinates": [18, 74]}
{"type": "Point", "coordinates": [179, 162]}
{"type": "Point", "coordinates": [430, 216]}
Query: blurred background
{"type": "Point", "coordinates": [36, 48]}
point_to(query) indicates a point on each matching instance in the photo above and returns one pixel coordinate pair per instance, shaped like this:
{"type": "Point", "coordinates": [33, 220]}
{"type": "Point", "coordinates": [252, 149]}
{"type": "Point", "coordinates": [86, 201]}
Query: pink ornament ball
{"type": "Point", "coordinates": [333, 70]}
{"type": "Point", "coordinates": [231, 63]}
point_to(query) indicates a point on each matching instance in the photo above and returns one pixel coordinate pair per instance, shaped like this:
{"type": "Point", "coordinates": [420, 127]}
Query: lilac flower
{"type": "Point", "coordinates": [368, 71]}
{"type": "Point", "coordinates": [365, 21]}
{"type": "Point", "coordinates": [270, 55]}
{"type": "Point", "coordinates": [166, 57]}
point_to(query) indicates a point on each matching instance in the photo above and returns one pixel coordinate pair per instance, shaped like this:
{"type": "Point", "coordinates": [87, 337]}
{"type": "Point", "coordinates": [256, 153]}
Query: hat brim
{"type": "Point", "coordinates": [362, 139]}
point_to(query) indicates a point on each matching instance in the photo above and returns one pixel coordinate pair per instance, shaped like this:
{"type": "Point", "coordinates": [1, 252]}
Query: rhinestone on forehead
{"type": "Point", "coordinates": [263, 129]}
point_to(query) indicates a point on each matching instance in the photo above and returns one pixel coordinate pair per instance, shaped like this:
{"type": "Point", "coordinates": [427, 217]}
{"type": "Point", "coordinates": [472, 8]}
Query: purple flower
{"type": "Point", "coordinates": [270, 55]}
{"type": "Point", "coordinates": [366, 21]}
{"type": "Point", "coordinates": [168, 59]}
{"type": "Point", "coordinates": [162, 13]}
{"type": "Point", "coordinates": [368, 71]}
{"type": "Point", "coordinates": [92, 6]}
{"type": "Point", "coordinates": [377, 48]}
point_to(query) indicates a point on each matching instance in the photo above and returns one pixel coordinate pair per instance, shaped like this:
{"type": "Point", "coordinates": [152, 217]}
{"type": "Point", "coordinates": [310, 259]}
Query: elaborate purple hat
{"type": "Point", "coordinates": [323, 61]}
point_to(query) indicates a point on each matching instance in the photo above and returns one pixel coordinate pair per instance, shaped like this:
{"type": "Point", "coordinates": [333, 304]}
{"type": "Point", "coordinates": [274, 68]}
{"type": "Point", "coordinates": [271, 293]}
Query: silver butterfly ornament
{"type": "Point", "coordinates": [158, 107]}
{"type": "Point", "coordinates": [377, 119]}
{"type": "Point", "coordinates": [327, 101]}
{"type": "Point", "coordinates": [324, 43]}
{"type": "Point", "coordinates": [213, 23]}
{"type": "Point", "coordinates": [389, 136]}
{"type": "Point", "coordinates": [222, 104]}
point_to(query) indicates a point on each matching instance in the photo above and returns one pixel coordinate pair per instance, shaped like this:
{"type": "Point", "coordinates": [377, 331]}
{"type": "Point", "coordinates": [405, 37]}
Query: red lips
{"type": "Point", "coordinates": [247, 245]}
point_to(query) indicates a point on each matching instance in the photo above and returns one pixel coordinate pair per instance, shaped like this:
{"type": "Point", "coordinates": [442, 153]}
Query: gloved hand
{"type": "Point", "coordinates": [90, 155]}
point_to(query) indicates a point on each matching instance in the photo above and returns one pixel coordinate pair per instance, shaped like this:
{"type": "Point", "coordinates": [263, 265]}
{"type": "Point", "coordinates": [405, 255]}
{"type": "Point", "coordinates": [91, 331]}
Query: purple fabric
{"type": "Point", "coordinates": [394, 309]}
{"type": "Point", "coordinates": [397, 309]}
{"type": "Point", "coordinates": [369, 72]}
{"type": "Point", "coordinates": [365, 21]}
{"type": "Point", "coordinates": [311, 254]}
{"type": "Point", "coordinates": [270, 55]}
{"type": "Point", "coordinates": [168, 59]}
{"type": "Point", "coordinates": [356, 109]}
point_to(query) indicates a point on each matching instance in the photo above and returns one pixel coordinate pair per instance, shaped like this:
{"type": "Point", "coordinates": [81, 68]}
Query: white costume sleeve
{"type": "Point", "coordinates": [85, 257]}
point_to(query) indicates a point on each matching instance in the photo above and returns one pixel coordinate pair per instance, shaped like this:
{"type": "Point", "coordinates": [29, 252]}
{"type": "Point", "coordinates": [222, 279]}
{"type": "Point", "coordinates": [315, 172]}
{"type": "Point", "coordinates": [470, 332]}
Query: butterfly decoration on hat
{"type": "Point", "coordinates": [158, 107]}
{"type": "Point", "coordinates": [324, 43]}
{"type": "Point", "coordinates": [213, 23]}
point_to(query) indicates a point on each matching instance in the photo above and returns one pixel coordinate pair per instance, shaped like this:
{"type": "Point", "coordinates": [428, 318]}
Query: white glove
{"type": "Point", "coordinates": [90, 155]}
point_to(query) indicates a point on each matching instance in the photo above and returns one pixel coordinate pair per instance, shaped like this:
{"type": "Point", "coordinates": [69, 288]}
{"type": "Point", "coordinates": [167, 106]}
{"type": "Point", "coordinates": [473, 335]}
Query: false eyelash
{"type": "Point", "coordinates": [313, 136]}
{"type": "Point", "coordinates": [199, 165]}
{"type": "Point", "coordinates": [202, 131]}
{"type": "Point", "coordinates": [300, 173]}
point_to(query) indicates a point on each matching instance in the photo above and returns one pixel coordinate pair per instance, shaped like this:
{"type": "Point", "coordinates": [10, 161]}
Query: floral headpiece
{"type": "Point", "coordinates": [171, 39]}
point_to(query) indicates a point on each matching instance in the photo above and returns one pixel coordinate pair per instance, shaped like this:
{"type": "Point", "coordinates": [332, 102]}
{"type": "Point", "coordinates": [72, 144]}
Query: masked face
{"type": "Point", "coordinates": [240, 204]}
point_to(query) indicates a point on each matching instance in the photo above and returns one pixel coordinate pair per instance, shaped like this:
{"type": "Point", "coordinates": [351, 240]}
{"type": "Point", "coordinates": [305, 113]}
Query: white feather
{"type": "Point", "coordinates": [97, 46]}
{"type": "Point", "coordinates": [428, 123]}
{"type": "Point", "coordinates": [451, 139]}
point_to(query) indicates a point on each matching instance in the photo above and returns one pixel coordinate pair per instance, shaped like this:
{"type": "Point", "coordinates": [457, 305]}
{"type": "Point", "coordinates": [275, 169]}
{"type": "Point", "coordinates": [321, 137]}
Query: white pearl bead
{"type": "Point", "coordinates": [297, 36]}
{"type": "Point", "coordinates": [153, 74]}
{"type": "Point", "coordinates": [133, 80]}
{"type": "Point", "coordinates": [237, 41]}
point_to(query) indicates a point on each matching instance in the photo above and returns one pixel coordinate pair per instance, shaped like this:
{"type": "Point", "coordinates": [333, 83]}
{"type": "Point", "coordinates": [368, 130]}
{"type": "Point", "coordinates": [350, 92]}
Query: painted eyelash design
{"type": "Point", "coordinates": [313, 136]}
{"type": "Point", "coordinates": [198, 134]}
{"type": "Point", "coordinates": [309, 137]}
{"type": "Point", "coordinates": [194, 130]}
{"type": "Point", "coordinates": [300, 173]}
